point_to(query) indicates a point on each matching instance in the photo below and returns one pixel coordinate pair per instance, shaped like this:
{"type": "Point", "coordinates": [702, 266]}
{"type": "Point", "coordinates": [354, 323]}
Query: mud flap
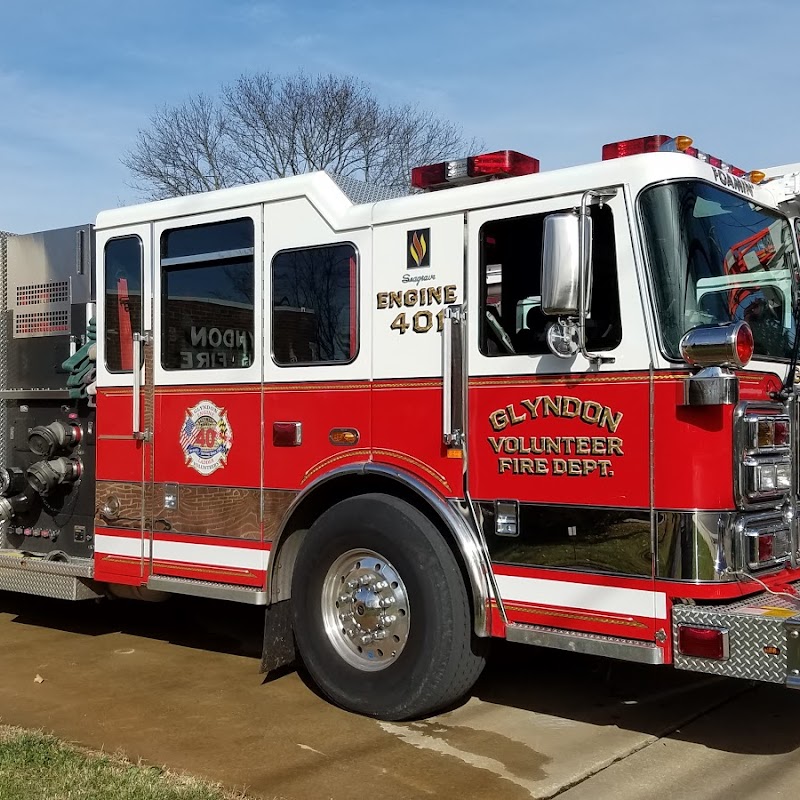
{"type": "Point", "coordinates": [278, 654]}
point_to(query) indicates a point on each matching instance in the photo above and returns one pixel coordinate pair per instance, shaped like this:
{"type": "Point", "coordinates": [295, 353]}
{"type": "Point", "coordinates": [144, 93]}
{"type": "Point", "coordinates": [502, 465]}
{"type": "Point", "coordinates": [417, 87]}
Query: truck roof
{"type": "Point", "coordinates": [322, 191]}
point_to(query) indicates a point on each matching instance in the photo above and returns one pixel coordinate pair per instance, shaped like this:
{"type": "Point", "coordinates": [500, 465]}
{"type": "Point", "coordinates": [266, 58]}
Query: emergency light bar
{"type": "Point", "coordinates": [500, 164]}
{"type": "Point", "coordinates": [661, 143]}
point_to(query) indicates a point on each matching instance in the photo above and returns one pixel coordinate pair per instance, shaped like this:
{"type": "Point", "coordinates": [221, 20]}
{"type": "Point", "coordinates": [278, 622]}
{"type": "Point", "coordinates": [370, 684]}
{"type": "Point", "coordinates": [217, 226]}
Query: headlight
{"type": "Point", "coordinates": [767, 478]}
{"type": "Point", "coordinates": [763, 451]}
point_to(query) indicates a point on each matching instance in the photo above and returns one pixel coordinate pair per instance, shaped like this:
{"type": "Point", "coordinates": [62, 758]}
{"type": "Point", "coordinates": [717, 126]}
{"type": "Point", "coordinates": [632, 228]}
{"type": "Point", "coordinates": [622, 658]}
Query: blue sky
{"type": "Point", "coordinates": [552, 78]}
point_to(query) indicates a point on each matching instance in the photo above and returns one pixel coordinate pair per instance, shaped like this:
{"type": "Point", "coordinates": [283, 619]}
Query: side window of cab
{"type": "Point", "coordinates": [512, 321]}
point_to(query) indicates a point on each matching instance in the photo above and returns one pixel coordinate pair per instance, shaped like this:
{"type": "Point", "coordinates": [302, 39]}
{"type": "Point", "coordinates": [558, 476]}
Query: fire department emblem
{"type": "Point", "coordinates": [206, 437]}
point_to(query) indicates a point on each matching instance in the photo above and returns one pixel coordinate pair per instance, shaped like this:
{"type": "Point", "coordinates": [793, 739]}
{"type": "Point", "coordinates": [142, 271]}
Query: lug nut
{"type": "Point", "coordinates": [366, 638]}
{"type": "Point", "coordinates": [386, 602]}
{"type": "Point", "coordinates": [388, 619]}
{"type": "Point", "coordinates": [380, 585]}
{"type": "Point", "coordinates": [352, 584]}
{"type": "Point", "coordinates": [379, 635]}
{"type": "Point", "coordinates": [345, 598]}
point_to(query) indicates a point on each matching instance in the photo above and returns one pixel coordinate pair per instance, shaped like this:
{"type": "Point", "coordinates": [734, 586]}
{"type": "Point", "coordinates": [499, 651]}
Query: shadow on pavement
{"type": "Point", "coordinates": [650, 700]}
{"type": "Point", "coordinates": [194, 622]}
{"type": "Point", "coordinates": [759, 718]}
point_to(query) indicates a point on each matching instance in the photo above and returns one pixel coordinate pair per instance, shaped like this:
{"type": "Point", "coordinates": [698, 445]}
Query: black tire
{"type": "Point", "coordinates": [440, 658]}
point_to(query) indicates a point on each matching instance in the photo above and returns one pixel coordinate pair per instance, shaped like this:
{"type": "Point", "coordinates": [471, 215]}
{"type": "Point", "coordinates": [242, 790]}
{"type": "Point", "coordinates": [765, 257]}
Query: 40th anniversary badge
{"type": "Point", "coordinates": [206, 437]}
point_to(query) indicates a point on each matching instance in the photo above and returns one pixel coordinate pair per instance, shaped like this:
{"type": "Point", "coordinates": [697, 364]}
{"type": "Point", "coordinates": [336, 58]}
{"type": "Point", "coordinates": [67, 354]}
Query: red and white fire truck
{"type": "Point", "coordinates": [556, 409]}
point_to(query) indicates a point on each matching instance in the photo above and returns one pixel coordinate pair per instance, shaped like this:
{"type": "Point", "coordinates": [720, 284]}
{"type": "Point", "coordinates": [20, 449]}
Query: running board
{"type": "Point", "coordinates": [590, 643]}
{"type": "Point", "coordinates": [216, 591]}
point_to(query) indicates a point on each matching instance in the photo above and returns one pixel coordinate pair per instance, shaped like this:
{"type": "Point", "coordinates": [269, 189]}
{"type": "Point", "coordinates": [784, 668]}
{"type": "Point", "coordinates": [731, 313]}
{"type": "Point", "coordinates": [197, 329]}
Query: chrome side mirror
{"type": "Point", "coordinates": [561, 263]}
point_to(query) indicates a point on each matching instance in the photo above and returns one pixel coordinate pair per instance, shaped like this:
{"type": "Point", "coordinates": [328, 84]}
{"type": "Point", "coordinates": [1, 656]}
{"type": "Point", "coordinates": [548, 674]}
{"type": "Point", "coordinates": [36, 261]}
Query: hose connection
{"type": "Point", "coordinates": [47, 440]}
{"type": "Point", "coordinates": [44, 476]}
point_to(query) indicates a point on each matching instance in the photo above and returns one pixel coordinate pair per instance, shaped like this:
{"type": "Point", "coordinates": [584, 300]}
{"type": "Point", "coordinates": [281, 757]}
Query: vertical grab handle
{"type": "Point", "coordinates": [453, 377]}
{"type": "Point", "coordinates": [138, 433]}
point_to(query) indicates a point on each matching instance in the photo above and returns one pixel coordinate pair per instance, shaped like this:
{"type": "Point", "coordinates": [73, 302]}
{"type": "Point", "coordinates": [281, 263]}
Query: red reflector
{"type": "Point", "coordinates": [634, 147]}
{"type": "Point", "coordinates": [702, 642]}
{"type": "Point", "coordinates": [431, 175]}
{"type": "Point", "coordinates": [287, 434]}
{"type": "Point", "coordinates": [744, 344]}
{"type": "Point", "coordinates": [714, 161]}
{"type": "Point", "coordinates": [503, 162]}
{"type": "Point", "coordinates": [739, 173]}
{"type": "Point", "coordinates": [691, 151]}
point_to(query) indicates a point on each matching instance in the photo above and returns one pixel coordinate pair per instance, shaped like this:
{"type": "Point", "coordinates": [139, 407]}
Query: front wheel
{"type": "Point", "coordinates": [381, 613]}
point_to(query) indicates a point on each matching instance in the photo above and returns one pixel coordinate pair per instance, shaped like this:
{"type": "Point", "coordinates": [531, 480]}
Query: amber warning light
{"type": "Point", "coordinates": [661, 143]}
{"type": "Point", "coordinates": [500, 164]}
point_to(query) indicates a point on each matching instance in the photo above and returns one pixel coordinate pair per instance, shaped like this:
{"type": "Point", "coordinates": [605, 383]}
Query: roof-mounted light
{"type": "Point", "coordinates": [635, 147]}
{"type": "Point", "coordinates": [667, 144]}
{"type": "Point", "coordinates": [500, 164]}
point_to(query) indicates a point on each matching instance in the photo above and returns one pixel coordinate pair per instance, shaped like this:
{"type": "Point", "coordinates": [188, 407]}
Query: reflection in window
{"type": "Point", "coordinates": [314, 307]}
{"type": "Point", "coordinates": [208, 296]}
{"type": "Point", "coordinates": [717, 258]}
{"type": "Point", "coordinates": [123, 300]}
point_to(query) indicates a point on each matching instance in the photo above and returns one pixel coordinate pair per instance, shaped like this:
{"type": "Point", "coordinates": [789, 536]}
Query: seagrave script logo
{"type": "Point", "coordinates": [206, 437]}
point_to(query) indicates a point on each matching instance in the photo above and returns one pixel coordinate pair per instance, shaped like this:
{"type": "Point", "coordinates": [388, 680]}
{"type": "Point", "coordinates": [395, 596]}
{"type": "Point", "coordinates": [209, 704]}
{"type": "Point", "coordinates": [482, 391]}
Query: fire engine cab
{"type": "Point", "coordinates": [556, 408]}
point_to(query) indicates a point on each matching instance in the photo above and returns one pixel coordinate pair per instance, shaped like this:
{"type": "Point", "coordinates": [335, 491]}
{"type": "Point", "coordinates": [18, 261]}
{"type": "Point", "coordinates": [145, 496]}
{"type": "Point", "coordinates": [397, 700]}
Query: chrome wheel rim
{"type": "Point", "coordinates": [365, 610]}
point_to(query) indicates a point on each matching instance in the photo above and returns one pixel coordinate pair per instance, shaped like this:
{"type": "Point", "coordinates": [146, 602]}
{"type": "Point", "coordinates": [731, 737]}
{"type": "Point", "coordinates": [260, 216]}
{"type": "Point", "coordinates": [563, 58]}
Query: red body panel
{"type": "Point", "coordinates": [242, 405]}
{"type": "Point", "coordinates": [581, 441]}
{"type": "Point", "coordinates": [119, 455]}
{"type": "Point", "coordinates": [319, 408]}
{"type": "Point", "coordinates": [407, 433]}
{"type": "Point", "coordinates": [693, 451]}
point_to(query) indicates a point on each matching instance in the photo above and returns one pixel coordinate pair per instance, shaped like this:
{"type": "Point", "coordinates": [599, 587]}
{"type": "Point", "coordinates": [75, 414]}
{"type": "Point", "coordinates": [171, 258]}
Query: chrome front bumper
{"type": "Point", "coordinates": [763, 633]}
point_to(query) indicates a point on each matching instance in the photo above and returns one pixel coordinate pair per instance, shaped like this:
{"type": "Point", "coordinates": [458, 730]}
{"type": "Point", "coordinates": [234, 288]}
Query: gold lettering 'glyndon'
{"type": "Point", "coordinates": [588, 411]}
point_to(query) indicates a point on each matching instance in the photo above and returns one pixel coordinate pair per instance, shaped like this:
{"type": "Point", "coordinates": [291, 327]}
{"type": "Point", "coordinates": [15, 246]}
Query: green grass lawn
{"type": "Point", "coordinates": [34, 766]}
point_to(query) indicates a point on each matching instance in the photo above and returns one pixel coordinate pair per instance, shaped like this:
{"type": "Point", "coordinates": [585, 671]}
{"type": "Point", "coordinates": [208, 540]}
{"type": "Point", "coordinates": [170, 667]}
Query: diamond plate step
{"type": "Point", "coordinates": [591, 643]}
{"type": "Point", "coordinates": [217, 591]}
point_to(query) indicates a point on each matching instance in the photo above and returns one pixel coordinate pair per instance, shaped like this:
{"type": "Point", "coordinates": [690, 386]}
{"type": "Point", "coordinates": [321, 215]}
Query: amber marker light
{"type": "Point", "coordinates": [756, 176]}
{"type": "Point", "coordinates": [683, 142]}
{"type": "Point", "coordinates": [344, 436]}
{"type": "Point", "coordinates": [455, 452]}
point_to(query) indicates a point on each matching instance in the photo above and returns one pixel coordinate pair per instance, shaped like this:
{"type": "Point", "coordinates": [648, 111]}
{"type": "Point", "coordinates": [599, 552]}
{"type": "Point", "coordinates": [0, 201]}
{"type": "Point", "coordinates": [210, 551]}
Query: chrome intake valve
{"type": "Point", "coordinates": [11, 506]}
{"type": "Point", "coordinates": [12, 481]}
{"type": "Point", "coordinates": [44, 476]}
{"type": "Point", "coordinates": [47, 440]}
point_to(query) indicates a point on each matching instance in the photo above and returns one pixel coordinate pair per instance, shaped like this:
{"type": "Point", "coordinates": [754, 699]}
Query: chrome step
{"type": "Point", "coordinates": [591, 643]}
{"type": "Point", "coordinates": [44, 584]}
{"type": "Point", "coordinates": [216, 591]}
{"type": "Point", "coordinates": [20, 560]}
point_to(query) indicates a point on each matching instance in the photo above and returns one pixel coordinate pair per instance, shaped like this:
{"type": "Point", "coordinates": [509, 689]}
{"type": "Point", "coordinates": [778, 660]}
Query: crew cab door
{"type": "Point", "coordinates": [559, 449]}
{"type": "Point", "coordinates": [124, 289]}
{"type": "Point", "coordinates": [202, 395]}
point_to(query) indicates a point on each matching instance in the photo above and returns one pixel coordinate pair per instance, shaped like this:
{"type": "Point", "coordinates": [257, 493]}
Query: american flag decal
{"type": "Point", "coordinates": [187, 432]}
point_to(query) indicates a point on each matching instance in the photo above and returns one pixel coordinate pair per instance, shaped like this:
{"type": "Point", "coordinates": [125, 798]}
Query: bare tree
{"type": "Point", "coordinates": [268, 126]}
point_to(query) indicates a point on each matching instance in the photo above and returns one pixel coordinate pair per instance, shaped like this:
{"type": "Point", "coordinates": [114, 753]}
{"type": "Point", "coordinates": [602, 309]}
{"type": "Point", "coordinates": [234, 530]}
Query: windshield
{"type": "Point", "coordinates": [716, 257]}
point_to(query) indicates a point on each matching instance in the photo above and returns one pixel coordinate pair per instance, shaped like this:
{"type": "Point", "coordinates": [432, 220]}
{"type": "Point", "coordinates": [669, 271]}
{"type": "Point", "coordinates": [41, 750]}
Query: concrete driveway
{"type": "Point", "coordinates": [178, 684]}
